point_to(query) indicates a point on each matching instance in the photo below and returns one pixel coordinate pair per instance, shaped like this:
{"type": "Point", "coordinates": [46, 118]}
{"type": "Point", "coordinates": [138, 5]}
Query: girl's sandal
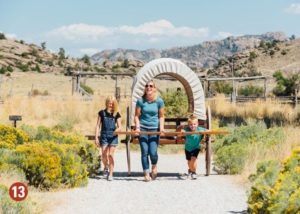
{"type": "Point", "coordinates": [154, 173]}
{"type": "Point", "coordinates": [147, 178]}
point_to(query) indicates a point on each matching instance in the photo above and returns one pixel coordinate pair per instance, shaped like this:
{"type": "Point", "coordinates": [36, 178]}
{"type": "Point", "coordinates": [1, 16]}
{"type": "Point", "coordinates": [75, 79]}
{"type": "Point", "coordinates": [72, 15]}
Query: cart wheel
{"type": "Point", "coordinates": [208, 142]}
{"type": "Point", "coordinates": [128, 143]}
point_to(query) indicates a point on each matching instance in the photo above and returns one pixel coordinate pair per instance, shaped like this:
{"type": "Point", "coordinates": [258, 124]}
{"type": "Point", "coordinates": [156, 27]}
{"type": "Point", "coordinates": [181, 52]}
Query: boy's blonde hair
{"type": "Point", "coordinates": [115, 104]}
{"type": "Point", "coordinates": [193, 118]}
{"type": "Point", "coordinates": [154, 86]}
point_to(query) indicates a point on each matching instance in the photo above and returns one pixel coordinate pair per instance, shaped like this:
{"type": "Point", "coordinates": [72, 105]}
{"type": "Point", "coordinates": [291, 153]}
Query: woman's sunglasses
{"type": "Point", "coordinates": [151, 86]}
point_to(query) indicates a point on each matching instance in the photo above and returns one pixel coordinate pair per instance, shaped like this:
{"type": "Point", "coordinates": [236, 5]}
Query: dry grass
{"type": "Point", "coordinates": [49, 112]}
{"type": "Point", "coordinates": [280, 152]}
{"type": "Point", "coordinates": [252, 110]}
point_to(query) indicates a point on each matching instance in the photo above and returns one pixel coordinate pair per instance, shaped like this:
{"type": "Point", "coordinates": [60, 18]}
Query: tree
{"type": "Point", "coordinates": [285, 86]}
{"type": "Point", "coordinates": [43, 45]}
{"type": "Point", "coordinates": [125, 63]}
{"type": "Point", "coordinates": [2, 36]}
{"type": "Point", "coordinates": [86, 59]}
{"type": "Point", "coordinates": [61, 53]}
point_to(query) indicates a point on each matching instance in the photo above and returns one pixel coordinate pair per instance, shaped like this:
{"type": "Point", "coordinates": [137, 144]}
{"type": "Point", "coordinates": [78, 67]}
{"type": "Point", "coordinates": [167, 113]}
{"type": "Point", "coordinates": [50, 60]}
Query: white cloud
{"type": "Point", "coordinates": [84, 38]}
{"type": "Point", "coordinates": [294, 8]}
{"type": "Point", "coordinates": [223, 35]}
{"type": "Point", "coordinates": [11, 35]}
{"type": "Point", "coordinates": [89, 51]}
{"type": "Point", "coordinates": [84, 32]}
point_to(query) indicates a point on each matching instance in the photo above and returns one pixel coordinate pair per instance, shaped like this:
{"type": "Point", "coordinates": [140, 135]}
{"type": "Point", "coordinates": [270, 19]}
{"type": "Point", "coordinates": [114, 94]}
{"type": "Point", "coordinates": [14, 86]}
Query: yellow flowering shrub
{"type": "Point", "coordinates": [48, 158]}
{"type": "Point", "coordinates": [74, 173]}
{"type": "Point", "coordinates": [276, 190]}
{"type": "Point", "coordinates": [86, 150]}
{"type": "Point", "coordinates": [42, 166]}
{"type": "Point", "coordinates": [12, 135]}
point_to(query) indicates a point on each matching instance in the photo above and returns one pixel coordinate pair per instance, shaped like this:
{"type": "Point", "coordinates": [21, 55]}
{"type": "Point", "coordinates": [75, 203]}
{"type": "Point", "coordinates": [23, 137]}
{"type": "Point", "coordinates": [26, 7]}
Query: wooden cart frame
{"type": "Point", "coordinates": [196, 104]}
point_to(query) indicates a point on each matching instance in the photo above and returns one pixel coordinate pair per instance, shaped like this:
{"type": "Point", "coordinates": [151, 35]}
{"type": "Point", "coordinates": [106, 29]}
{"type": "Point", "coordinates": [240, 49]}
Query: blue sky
{"type": "Point", "coordinates": [89, 26]}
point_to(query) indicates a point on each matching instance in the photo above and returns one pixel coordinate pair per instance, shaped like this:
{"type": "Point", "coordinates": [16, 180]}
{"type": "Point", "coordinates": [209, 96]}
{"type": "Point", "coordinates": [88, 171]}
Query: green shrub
{"type": "Point", "coordinates": [49, 62]}
{"type": "Point", "coordinates": [9, 206]}
{"type": "Point", "coordinates": [285, 86]}
{"type": "Point", "coordinates": [39, 60]}
{"type": "Point", "coordinates": [66, 122]}
{"type": "Point", "coordinates": [115, 66]}
{"type": "Point", "coordinates": [284, 52]}
{"type": "Point", "coordinates": [272, 52]}
{"type": "Point", "coordinates": [11, 170]}
{"type": "Point", "coordinates": [22, 67]}
{"type": "Point", "coordinates": [252, 56]}
{"type": "Point", "coordinates": [232, 150]}
{"type": "Point", "coordinates": [276, 190]}
{"type": "Point", "coordinates": [3, 70]}
{"type": "Point", "coordinates": [35, 53]}
{"type": "Point", "coordinates": [87, 88]}
{"type": "Point", "coordinates": [251, 90]}
{"type": "Point", "coordinates": [222, 87]}
{"type": "Point", "coordinates": [231, 159]}
{"type": "Point", "coordinates": [172, 100]}
{"type": "Point", "coordinates": [25, 55]}
{"type": "Point", "coordinates": [100, 70]}
{"type": "Point", "coordinates": [10, 69]}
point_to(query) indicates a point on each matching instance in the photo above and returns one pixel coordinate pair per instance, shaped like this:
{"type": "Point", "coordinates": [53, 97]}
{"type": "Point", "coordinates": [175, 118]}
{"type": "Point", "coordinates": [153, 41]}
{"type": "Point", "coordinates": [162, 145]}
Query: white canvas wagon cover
{"type": "Point", "coordinates": [178, 70]}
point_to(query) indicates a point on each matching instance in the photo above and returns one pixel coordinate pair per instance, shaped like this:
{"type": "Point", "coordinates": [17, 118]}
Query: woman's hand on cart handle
{"type": "Point", "coordinates": [137, 131]}
{"type": "Point", "coordinates": [162, 132]}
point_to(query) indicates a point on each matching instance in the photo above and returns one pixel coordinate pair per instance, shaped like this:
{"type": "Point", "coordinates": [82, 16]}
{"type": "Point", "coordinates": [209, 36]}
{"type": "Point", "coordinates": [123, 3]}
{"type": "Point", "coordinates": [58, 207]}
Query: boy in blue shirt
{"type": "Point", "coordinates": [192, 145]}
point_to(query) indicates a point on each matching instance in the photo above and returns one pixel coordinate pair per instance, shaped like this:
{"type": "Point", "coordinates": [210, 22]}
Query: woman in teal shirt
{"type": "Point", "coordinates": [149, 117]}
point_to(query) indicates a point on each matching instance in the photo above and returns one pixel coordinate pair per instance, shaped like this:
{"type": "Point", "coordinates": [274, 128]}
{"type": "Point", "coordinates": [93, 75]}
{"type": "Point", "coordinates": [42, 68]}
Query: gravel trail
{"type": "Point", "coordinates": [171, 193]}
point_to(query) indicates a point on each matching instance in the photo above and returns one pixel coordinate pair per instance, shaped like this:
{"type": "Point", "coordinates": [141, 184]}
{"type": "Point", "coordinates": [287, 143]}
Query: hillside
{"type": "Point", "coordinates": [205, 54]}
{"type": "Point", "coordinates": [265, 59]}
{"type": "Point", "coordinates": [18, 56]}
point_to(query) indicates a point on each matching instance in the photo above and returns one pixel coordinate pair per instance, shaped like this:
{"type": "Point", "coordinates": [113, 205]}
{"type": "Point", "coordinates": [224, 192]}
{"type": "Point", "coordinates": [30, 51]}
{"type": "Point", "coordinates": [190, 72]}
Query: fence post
{"type": "Point", "coordinates": [265, 89]}
{"type": "Point", "coordinates": [77, 83]}
{"type": "Point", "coordinates": [116, 89]}
{"type": "Point", "coordinates": [296, 98]}
{"type": "Point", "coordinates": [208, 88]}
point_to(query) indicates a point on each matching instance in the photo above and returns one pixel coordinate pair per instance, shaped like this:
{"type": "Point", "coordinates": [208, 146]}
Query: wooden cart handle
{"type": "Point", "coordinates": [172, 133]}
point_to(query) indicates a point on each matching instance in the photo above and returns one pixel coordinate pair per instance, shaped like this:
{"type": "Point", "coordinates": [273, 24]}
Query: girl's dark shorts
{"type": "Point", "coordinates": [189, 155]}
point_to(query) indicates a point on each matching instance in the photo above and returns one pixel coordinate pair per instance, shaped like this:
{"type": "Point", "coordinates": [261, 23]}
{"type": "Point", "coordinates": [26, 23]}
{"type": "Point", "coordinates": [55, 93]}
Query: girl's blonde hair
{"type": "Point", "coordinates": [115, 104]}
{"type": "Point", "coordinates": [154, 86]}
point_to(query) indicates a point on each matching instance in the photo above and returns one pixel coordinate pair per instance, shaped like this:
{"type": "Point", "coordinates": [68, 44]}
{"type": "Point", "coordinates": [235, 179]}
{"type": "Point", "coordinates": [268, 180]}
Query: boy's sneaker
{"type": "Point", "coordinates": [110, 178]}
{"type": "Point", "coordinates": [194, 176]}
{"type": "Point", "coordinates": [189, 174]}
{"type": "Point", "coordinates": [105, 172]}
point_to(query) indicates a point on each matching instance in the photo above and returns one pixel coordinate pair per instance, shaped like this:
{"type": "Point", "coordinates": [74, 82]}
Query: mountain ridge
{"type": "Point", "coordinates": [198, 56]}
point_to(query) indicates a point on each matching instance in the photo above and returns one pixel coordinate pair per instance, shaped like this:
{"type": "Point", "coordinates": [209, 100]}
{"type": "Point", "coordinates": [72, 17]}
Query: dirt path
{"type": "Point", "coordinates": [170, 193]}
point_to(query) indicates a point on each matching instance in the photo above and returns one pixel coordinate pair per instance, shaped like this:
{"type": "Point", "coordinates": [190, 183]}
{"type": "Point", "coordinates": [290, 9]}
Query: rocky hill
{"type": "Point", "coordinates": [205, 54]}
{"type": "Point", "coordinates": [18, 56]}
{"type": "Point", "coordinates": [265, 59]}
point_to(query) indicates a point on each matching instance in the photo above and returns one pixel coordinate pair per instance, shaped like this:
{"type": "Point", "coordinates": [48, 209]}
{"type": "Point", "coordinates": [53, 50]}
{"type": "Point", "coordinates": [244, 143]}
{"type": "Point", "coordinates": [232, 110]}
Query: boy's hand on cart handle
{"type": "Point", "coordinates": [162, 132]}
